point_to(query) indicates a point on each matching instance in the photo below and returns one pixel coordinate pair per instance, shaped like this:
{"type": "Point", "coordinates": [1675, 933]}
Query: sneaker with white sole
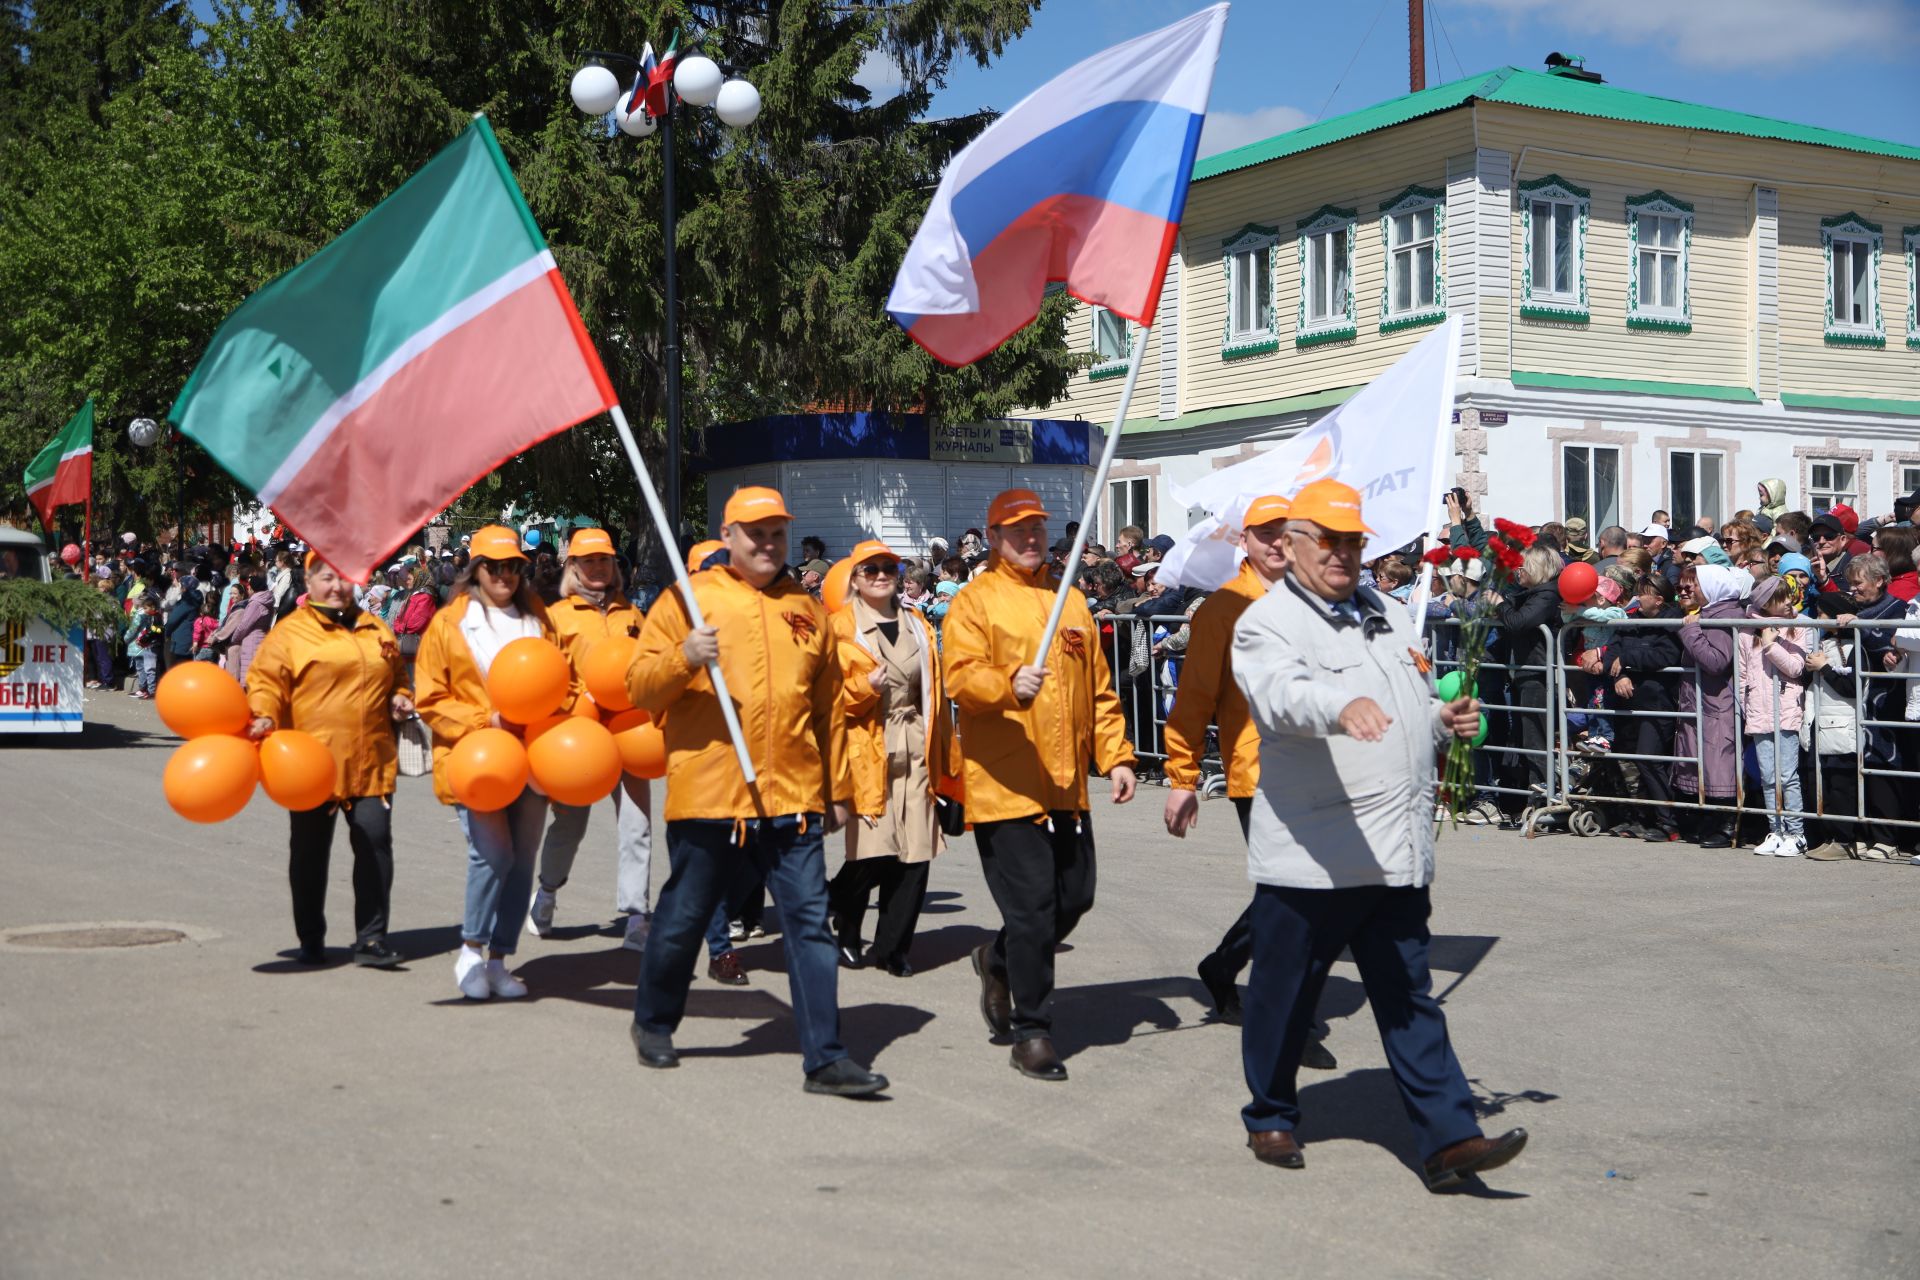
{"type": "Point", "coordinates": [736, 931]}
{"type": "Point", "coordinates": [1790, 847]}
{"type": "Point", "coordinates": [1766, 848]}
{"type": "Point", "coordinates": [502, 983]}
{"type": "Point", "coordinates": [1878, 853]}
{"type": "Point", "coordinates": [470, 974]}
{"type": "Point", "coordinates": [540, 914]}
{"type": "Point", "coordinates": [637, 926]}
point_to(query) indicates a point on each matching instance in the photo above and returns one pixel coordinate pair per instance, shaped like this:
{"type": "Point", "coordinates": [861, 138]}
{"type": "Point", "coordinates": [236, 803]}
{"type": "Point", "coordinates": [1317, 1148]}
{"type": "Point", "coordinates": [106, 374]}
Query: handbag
{"type": "Point", "coordinates": [414, 746]}
{"type": "Point", "coordinates": [952, 816]}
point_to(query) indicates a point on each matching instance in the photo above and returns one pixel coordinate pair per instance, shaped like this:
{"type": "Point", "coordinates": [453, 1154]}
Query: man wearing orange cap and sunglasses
{"type": "Point", "coordinates": [771, 641]}
{"type": "Point", "coordinates": [1027, 731]}
{"type": "Point", "coordinates": [1340, 845]}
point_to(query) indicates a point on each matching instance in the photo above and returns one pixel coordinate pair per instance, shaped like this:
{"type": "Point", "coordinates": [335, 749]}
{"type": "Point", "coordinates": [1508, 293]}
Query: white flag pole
{"type": "Point", "coordinates": [1442, 451]}
{"type": "Point", "coordinates": [686, 587]}
{"type": "Point", "coordinates": [1091, 508]}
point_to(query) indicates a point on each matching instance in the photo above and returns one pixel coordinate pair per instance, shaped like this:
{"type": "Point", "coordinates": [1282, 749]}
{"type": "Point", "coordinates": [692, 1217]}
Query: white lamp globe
{"type": "Point", "coordinates": [638, 124]}
{"type": "Point", "coordinates": [698, 80]}
{"type": "Point", "coordinates": [143, 432]}
{"type": "Point", "coordinates": [738, 103]}
{"type": "Point", "coordinates": [595, 89]}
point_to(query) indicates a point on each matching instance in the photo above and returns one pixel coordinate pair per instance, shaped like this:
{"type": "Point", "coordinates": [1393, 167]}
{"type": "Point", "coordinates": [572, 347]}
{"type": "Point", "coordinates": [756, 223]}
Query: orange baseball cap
{"type": "Point", "coordinates": [1266, 510]}
{"type": "Point", "coordinates": [700, 551]}
{"type": "Point", "coordinates": [1331, 505]}
{"type": "Point", "coordinates": [870, 549]}
{"type": "Point", "coordinates": [495, 542]}
{"type": "Point", "coordinates": [590, 542]}
{"type": "Point", "coordinates": [755, 502]}
{"type": "Point", "coordinates": [1015, 505]}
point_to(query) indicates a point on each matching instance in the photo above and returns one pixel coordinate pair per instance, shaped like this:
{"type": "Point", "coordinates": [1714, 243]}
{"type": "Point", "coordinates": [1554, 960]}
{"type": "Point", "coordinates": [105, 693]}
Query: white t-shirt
{"type": "Point", "coordinates": [489, 630]}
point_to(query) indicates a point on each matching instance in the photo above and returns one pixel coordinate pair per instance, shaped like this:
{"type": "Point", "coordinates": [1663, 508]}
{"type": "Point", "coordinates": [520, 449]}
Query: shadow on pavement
{"type": "Point", "coordinates": [866, 1029]}
{"type": "Point", "coordinates": [424, 944]}
{"type": "Point", "coordinates": [98, 735]}
{"type": "Point", "coordinates": [1364, 1106]}
{"type": "Point", "coordinates": [1110, 1013]}
{"type": "Point", "coordinates": [940, 902]}
{"type": "Point", "coordinates": [949, 944]}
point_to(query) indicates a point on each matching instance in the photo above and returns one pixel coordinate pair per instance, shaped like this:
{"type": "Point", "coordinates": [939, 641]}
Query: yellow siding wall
{"type": "Point", "coordinates": [1096, 400]}
{"type": "Point", "coordinates": [1808, 363]}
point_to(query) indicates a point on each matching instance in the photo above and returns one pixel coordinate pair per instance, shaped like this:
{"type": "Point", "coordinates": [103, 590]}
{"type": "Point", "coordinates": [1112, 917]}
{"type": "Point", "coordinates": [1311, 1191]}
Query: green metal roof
{"type": "Point", "coordinates": [1546, 92]}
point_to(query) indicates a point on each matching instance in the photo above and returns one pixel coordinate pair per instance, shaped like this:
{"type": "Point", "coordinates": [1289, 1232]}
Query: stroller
{"type": "Point", "coordinates": [1594, 803]}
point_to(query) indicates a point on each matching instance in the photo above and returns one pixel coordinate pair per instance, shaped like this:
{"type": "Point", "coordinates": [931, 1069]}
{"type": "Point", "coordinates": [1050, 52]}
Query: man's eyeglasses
{"type": "Point", "coordinates": [501, 568]}
{"type": "Point", "coordinates": [877, 569]}
{"type": "Point", "coordinates": [1333, 541]}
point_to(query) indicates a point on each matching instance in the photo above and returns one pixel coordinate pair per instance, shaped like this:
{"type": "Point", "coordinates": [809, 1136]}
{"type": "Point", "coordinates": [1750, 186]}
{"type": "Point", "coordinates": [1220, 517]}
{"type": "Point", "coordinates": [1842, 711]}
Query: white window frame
{"type": "Point", "coordinates": [1339, 324]}
{"type": "Point", "coordinates": [1824, 497]}
{"type": "Point", "coordinates": [1412, 201]}
{"type": "Point", "coordinates": [1640, 313]}
{"type": "Point", "coordinates": [1536, 302]}
{"type": "Point", "coordinates": [1104, 365]}
{"type": "Point", "coordinates": [1120, 492]}
{"type": "Point", "coordinates": [1595, 518]}
{"type": "Point", "coordinates": [1910, 239]}
{"type": "Point", "coordinates": [1694, 458]}
{"type": "Point", "coordinates": [1906, 477]}
{"type": "Point", "coordinates": [1862, 237]}
{"type": "Point", "coordinates": [1247, 248]}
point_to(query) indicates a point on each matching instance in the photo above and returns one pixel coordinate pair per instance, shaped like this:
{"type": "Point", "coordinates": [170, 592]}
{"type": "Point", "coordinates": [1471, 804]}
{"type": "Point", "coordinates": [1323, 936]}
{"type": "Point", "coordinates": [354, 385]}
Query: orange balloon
{"type": "Point", "coordinates": [575, 762]}
{"type": "Point", "coordinates": [528, 679]}
{"type": "Point", "coordinates": [836, 584]}
{"type": "Point", "coordinates": [540, 726]}
{"type": "Point", "coordinates": [487, 769]}
{"type": "Point", "coordinates": [211, 778]}
{"type": "Point", "coordinates": [296, 770]}
{"type": "Point", "coordinates": [603, 669]}
{"type": "Point", "coordinates": [199, 698]}
{"type": "Point", "coordinates": [643, 748]}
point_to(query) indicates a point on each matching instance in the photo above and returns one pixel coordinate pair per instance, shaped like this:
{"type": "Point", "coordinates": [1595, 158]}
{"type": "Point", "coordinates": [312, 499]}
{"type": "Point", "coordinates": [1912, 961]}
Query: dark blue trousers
{"type": "Point", "coordinates": [705, 866]}
{"type": "Point", "coordinates": [1297, 935]}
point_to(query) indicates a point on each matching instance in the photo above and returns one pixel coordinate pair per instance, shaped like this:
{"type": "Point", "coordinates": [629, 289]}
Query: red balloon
{"type": "Point", "coordinates": [70, 554]}
{"type": "Point", "coordinates": [296, 770]}
{"type": "Point", "coordinates": [576, 761]}
{"type": "Point", "coordinates": [211, 778]}
{"type": "Point", "coordinates": [1577, 582]}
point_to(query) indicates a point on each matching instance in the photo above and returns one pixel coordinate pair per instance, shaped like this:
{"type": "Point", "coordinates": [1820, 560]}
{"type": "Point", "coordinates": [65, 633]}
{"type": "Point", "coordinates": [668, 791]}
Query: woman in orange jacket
{"type": "Point", "coordinates": [898, 750]}
{"type": "Point", "coordinates": [333, 670]}
{"type": "Point", "coordinates": [490, 605]}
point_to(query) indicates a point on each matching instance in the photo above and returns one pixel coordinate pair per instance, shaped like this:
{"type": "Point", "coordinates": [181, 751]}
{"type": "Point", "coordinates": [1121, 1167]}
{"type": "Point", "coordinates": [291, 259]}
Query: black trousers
{"type": "Point", "coordinates": [1883, 801]}
{"type": "Point", "coordinates": [1041, 875]}
{"type": "Point", "coordinates": [370, 832]}
{"type": "Point", "coordinates": [1236, 944]}
{"type": "Point", "coordinates": [1652, 736]}
{"type": "Point", "coordinates": [903, 887]}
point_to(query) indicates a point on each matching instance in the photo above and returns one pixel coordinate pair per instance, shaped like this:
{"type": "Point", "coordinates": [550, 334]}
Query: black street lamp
{"type": "Point", "coordinates": [608, 84]}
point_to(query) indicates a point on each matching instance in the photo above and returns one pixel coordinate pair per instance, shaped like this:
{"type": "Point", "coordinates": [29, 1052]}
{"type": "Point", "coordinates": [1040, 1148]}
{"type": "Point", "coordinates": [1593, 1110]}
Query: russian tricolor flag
{"type": "Point", "coordinates": [1083, 182]}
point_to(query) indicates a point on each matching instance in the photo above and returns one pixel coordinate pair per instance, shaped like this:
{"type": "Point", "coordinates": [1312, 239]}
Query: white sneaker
{"type": "Point", "coordinates": [637, 926]}
{"type": "Point", "coordinates": [1915, 860]}
{"type": "Point", "coordinates": [1790, 847]}
{"type": "Point", "coordinates": [470, 974]}
{"type": "Point", "coordinates": [1878, 853]}
{"type": "Point", "coordinates": [1768, 847]}
{"type": "Point", "coordinates": [502, 983]}
{"type": "Point", "coordinates": [540, 914]}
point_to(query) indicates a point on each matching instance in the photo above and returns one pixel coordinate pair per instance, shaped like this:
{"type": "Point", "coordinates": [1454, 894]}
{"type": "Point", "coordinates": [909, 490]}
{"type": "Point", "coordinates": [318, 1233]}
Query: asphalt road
{"type": "Point", "coordinates": [1715, 1054]}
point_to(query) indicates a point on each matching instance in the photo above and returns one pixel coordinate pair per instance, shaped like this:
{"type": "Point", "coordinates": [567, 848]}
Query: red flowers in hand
{"type": "Point", "coordinates": [1438, 556]}
{"type": "Point", "coordinates": [1464, 554]}
{"type": "Point", "coordinates": [1518, 534]}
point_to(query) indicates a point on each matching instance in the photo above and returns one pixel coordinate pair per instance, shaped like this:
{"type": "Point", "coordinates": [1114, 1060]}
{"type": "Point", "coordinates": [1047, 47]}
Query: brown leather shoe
{"type": "Point", "coordinates": [1277, 1147]}
{"type": "Point", "coordinates": [1034, 1058]}
{"type": "Point", "coordinates": [996, 1002]}
{"type": "Point", "coordinates": [725, 967]}
{"type": "Point", "coordinates": [1453, 1165]}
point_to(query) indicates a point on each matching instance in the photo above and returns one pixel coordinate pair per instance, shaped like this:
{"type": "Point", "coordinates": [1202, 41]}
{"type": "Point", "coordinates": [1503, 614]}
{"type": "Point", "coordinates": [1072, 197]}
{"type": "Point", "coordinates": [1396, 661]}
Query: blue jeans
{"type": "Point", "coordinates": [501, 848]}
{"type": "Point", "coordinates": [1787, 769]}
{"type": "Point", "coordinates": [705, 866]}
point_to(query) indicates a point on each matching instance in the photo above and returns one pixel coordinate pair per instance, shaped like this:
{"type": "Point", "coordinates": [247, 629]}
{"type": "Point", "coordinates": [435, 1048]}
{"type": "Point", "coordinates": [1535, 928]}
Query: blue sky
{"type": "Point", "coordinates": [1844, 64]}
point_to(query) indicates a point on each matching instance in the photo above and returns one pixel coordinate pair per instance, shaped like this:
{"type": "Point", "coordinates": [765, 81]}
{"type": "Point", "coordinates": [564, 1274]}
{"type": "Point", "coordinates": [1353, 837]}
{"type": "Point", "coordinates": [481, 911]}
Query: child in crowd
{"type": "Point", "coordinates": [143, 643]}
{"type": "Point", "coordinates": [204, 626]}
{"type": "Point", "coordinates": [1773, 689]}
{"type": "Point", "coordinates": [1598, 614]}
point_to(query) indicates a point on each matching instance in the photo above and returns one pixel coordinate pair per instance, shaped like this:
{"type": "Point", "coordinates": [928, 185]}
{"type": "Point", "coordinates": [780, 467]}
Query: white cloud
{"type": "Point", "coordinates": [1728, 34]}
{"type": "Point", "coordinates": [879, 74]}
{"type": "Point", "coordinates": [1225, 130]}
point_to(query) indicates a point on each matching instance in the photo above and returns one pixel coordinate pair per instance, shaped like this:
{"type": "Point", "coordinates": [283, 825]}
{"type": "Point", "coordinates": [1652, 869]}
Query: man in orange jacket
{"type": "Point", "coordinates": [1027, 731]}
{"type": "Point", "coordinates": [771, 641]}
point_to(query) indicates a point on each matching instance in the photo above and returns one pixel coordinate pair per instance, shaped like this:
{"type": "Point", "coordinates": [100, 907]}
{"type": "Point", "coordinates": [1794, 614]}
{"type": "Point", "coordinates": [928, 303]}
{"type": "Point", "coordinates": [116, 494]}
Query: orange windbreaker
{"type": "Point", "coordinates": [1022, 761]}
{"type": "Point", "coordinates": [334, 682]}
{"type": "Point", "coordinates": [579, 623]}
{"type": "Point", "coordinates": [784, 675]}
{"type": "Point", "coordinates": [449, 693]}
{"type": "Point", "coordinates": [1209, 694]}
{"type": "Point", "coordinates": [866, 728]}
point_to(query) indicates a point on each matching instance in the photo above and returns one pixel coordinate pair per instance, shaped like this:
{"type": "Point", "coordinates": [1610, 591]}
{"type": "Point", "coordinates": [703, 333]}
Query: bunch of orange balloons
{"type": "Point", "coordinates": [211, 776]}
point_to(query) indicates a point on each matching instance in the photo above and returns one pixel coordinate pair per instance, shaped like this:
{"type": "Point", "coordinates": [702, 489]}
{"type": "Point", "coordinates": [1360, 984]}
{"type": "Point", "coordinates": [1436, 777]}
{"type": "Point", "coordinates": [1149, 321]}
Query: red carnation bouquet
{"type": "Point", "coordinates": [1506, 547]}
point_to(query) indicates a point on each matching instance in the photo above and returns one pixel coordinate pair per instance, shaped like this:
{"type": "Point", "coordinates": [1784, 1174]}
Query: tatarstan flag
{"type": "Point", "coordinates": [62, 473]}
{"type": "Point", "coordinates": [362, 391]}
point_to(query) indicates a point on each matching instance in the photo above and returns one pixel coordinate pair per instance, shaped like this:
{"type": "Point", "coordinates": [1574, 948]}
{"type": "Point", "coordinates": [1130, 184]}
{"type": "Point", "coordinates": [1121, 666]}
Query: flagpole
{"type": "Point", "coordinates": [685, 583]}
{"type": "Point", "coordinates": [1091, 508]}
{"type": "Point", "coordinates": [1442, 449]}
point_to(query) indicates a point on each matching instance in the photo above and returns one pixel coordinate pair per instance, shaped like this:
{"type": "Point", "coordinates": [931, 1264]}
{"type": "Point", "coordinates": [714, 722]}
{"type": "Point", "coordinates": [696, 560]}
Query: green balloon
{"type": "Point", "coordinates": [1481, 736]}
{"type": "Point", "coordinates": [1449, 686]}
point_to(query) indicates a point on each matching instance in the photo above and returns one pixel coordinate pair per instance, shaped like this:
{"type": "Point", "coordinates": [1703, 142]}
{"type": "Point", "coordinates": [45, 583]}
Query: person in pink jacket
{"type": "Point", "coordinates": [1773, 691]}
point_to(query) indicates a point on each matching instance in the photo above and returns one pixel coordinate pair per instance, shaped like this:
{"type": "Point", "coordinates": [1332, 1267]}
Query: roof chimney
{"type": "Point", "coordinates": [1573, 67]}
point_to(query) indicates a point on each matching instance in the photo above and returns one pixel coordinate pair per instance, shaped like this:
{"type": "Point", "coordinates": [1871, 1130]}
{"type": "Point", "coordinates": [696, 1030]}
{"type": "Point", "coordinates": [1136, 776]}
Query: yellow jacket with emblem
{"type": "Point", "coordinates": [449, 691]}
{"type": "Point", "coordinates": [866, 727]}
{"type": "Point", "coordinates": [335, 682]}
{"type": "Point", "coordinates": [1209, 694]}
{"type": "Point", "coordinates": [1022, 761]}
{"type": "Point", "coordinates": [784, 675]}
{"type": "Point", "coordinates": [580, 623]}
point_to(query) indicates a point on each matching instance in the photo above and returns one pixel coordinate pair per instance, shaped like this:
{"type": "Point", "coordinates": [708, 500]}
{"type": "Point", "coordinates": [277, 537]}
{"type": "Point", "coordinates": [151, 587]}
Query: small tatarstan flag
{"type": "Point", "coordinates": [362, 391]}
{"type": "Point", "coordinates": [62, 473]}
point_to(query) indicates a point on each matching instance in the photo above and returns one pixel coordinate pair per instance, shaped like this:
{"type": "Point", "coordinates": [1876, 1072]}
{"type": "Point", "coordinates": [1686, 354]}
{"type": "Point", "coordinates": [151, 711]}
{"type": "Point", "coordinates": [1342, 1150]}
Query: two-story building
{"type": "Point", "coordinates": [1663, 303]}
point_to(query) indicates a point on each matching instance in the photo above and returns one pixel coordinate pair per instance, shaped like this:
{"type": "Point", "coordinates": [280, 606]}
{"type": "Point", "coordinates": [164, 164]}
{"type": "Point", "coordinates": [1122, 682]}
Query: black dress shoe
{"type": "Point", "coordinates": [1318, 1056]}
{"type": "Point", "coordinates": [996, 1002]}
{"type": "Point", "coordinates": [1277, 1147]}
{"type": "Point", "coordinates": [1717, 842]}
{"type": "Point", "coordinates": [1034, 1058]}
{"type": "Point", "coordinates": [900, 968]}
{"type": "Point", "coordinates": [725, 967]}
{"type": "Point", "coordinates": [654, 1049]}
{"type": "Point", "coordinates": [311, 953]}
{"type": "Point", "coordinates": [377, 955]}
{"type": "Point", "coordinates": [845, 1079]}
{"type": "Point", "coordinates": [850, 957]}
{"type": "Point", "coordinates": [1453, 1165]}
{"type": "Point", "coordinates": [1659, 835]}
{"type": "Point", "coordinates": [1221, 990]}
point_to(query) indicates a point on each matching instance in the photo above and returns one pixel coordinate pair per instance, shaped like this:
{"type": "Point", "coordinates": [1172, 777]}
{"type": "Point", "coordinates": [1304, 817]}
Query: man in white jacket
{"type": "Point", "coordinates": [1340, 847]}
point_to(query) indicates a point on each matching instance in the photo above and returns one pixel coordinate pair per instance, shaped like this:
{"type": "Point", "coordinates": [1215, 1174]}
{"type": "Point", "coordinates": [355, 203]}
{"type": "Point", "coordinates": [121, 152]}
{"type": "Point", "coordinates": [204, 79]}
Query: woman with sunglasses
{"type": "Point", "coordinates": [490, 605]}
{"type": "Point", "coordinates": [899, 733]}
